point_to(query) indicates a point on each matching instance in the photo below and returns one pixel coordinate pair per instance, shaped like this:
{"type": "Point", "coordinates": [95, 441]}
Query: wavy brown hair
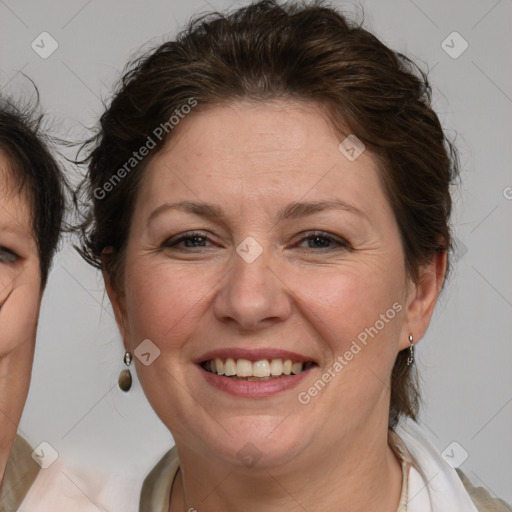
{"type": "Point", "coordinates": [264, 51]}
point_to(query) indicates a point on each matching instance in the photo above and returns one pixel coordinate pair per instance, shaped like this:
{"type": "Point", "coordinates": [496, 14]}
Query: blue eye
{"type": "Point", "coordinates": [7, 256]}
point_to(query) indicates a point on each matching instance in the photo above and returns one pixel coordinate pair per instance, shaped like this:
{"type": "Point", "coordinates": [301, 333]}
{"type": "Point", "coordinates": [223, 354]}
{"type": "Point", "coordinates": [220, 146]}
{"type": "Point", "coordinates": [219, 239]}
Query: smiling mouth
{"type": "Point", "coordinates": [262, 370]}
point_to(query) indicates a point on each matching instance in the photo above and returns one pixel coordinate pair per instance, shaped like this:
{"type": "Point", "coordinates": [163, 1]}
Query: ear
{"type": "Point", "coordinates": [115, 295]}
{"type": "Point", "coordinates": [422, 298]}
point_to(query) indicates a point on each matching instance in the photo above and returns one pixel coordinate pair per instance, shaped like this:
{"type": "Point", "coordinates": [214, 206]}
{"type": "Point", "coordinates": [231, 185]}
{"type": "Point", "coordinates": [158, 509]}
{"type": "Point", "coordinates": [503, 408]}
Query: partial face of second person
{"type": "Point", "coordinates": [20, 297]}
{"type": "Point", "coordinates": [322, 278]}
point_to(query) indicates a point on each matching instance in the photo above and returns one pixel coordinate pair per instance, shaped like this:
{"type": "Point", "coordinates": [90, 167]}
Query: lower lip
{"type": "Point", "coordinates": [253, 389]}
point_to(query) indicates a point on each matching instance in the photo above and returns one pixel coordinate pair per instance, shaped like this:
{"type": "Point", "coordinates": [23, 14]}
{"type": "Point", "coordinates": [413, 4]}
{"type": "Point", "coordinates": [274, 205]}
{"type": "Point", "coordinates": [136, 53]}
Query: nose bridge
{"type": "Point", "coordinates": [251, 293]}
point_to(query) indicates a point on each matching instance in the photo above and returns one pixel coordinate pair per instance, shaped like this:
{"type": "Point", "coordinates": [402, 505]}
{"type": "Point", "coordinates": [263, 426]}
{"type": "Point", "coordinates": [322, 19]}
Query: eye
{"type": "Point", "coordinates": [321, 240]}
{"type": "Point", "coordinates": [196, 240]}
{"type": "Point", "coordinates": [191, 240]}
{"type": "Point", "coordinates": [7, 256]}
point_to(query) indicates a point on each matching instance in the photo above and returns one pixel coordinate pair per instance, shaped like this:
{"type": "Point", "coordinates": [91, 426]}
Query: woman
{"type": "Point", "coordinates": [31, 211]}
{"type": "Point", "coordinates": [270, 208]}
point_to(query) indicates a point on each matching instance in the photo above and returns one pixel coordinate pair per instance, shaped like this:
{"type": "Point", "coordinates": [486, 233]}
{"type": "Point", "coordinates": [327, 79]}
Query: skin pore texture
{"type": "Point", "coordinates": [20, 299]}
{"type": "Point", "coordinates": [308, 295]}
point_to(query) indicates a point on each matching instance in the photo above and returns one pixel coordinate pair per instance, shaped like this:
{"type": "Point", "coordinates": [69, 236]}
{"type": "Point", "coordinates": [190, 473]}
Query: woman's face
{"type": "Point", "coordinates": [297, 257]}
{"type": "Point", "coordinates": [20, 292]}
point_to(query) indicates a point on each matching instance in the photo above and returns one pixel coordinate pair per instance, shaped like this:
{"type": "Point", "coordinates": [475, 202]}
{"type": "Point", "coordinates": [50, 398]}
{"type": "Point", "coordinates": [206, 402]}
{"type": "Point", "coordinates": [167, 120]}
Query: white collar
{"type": "Point", "coordinates": [433, 485]}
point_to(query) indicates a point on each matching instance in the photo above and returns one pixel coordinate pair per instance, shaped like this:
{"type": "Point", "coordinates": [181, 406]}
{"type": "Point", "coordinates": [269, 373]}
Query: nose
{"type": "Point", "coordinates": [252, 294]}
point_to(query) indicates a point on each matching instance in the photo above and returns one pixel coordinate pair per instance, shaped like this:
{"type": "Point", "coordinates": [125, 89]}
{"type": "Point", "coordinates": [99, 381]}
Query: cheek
{"type": "Point", "coordinates": [359, 315]}
{"type": "Point", "coordinates": [161, 303]}
{"type": "Point", "coordinates": [19, 312]}
{"type": "Point", "coordinates": [7, 282]}
{"type": "Point", "coordinates": [347, 301]}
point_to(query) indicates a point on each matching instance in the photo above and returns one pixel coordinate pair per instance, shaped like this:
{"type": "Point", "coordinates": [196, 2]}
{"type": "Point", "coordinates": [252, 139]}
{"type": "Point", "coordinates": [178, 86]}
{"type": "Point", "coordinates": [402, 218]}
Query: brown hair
{"type": "Point", "coordinates": [291, 51]}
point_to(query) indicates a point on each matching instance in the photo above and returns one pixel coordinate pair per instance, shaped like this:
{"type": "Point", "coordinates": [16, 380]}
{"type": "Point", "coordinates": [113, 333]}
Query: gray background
{"type": "Point", "coordinates": [465, 359]}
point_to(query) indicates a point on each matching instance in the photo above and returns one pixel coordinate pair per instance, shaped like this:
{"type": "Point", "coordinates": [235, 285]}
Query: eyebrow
{"type": "Point", "coordinates": [291, 211]}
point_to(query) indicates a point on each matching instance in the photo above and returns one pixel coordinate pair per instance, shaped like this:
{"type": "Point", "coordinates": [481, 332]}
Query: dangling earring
{"type": "Point", "coordinates": [410, 359]}
{"type": "Point", "coordinates": [125, 377]}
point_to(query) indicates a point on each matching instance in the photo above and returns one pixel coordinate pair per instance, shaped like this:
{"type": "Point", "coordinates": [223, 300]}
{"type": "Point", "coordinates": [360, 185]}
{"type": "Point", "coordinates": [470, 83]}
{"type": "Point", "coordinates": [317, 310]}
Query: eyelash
{"type": "Point", "coordinates": [315, 234]}
{"type": "Point", "coordinates": [12, 257]}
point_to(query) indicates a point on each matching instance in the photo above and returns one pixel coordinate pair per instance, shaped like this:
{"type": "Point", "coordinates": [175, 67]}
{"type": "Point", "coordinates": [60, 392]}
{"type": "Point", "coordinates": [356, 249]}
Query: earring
{"type": "Point", "coordinates": [125, 377]}
{"type": "Point", "coordinates": [410, 359]}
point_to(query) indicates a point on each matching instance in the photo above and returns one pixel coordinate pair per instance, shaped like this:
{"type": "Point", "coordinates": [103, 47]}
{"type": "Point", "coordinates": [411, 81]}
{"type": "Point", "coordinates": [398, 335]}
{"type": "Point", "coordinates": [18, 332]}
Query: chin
{"type": "Point", "coordinates": [259, 442]}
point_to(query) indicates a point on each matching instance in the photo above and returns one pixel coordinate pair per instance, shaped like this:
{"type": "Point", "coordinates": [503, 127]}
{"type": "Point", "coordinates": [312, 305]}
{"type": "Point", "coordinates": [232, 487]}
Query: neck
{"type": "Point", "coordinates": [360, 474]}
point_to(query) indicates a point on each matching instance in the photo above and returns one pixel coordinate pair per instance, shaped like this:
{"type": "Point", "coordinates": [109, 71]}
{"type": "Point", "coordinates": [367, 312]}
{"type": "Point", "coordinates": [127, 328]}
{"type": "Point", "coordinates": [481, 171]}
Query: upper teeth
{"type": "Point", "coordinates": [245, 368]}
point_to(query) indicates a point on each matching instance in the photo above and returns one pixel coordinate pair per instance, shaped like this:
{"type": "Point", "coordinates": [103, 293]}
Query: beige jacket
{"type": "Point", "coordinates": [483, 501]}
{"type": "Point", "coordinates": [20, 473]}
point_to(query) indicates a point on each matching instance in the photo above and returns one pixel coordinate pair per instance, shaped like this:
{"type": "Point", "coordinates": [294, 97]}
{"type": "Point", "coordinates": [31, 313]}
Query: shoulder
{"type": "Point", "coordinates": [20, 473]}
{"type": "Point", "coordinates": [66, 486]}
{"type": "Point", "coordinates": [482, 499]}
{"type": "Point", "coordinates": [451, 489]}
{"type": "Point", "coordinates": [157, 485]}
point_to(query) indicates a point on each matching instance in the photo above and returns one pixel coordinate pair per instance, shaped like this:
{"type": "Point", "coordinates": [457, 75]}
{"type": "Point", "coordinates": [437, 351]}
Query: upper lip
{"type": "Point", "coordinates": [254, 354]}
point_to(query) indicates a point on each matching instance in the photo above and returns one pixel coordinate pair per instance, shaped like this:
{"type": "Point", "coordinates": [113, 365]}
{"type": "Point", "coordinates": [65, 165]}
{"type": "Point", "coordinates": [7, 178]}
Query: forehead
{"type": "Point", "coordinates": [254, 158]}
{"type": "Point", "coordinates": [258, 152]}
{"type": "Point", "coordinates": [258, 132]}
{"type": "Point", "coordinates": [14, 202]}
